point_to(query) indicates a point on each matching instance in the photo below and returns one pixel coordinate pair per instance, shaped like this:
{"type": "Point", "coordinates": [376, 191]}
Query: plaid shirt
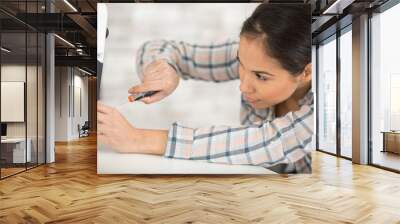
{"type": "Point", "coordinates": [281, 144]}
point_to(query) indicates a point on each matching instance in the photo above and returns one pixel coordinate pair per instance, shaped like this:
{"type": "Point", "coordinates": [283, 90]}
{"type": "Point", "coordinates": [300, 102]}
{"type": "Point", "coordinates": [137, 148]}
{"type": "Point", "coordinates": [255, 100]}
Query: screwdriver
{"type": "Point", "coordinates": [142, 95]}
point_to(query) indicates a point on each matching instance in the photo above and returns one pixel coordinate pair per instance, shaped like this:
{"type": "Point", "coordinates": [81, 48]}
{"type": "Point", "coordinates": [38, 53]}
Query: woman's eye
{"type": "Point", "coordinates": [260, 77]}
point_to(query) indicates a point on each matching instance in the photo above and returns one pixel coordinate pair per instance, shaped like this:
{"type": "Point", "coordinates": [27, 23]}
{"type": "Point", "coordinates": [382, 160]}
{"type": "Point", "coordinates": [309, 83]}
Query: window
{"type": "Point", "coordinates": [346, 92]}
{"type": "Point", "coordinates": [327, 95]}
{"type": "Point", "coordinates": [385, 88]}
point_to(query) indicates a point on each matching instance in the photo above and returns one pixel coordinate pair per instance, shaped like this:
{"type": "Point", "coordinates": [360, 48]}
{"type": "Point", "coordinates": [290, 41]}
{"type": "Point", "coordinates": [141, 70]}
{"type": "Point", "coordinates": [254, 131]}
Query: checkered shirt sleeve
{"type": "Point", "coordinates": [282, 144]}
{"type": "Point", "coordinates": [215, 61]}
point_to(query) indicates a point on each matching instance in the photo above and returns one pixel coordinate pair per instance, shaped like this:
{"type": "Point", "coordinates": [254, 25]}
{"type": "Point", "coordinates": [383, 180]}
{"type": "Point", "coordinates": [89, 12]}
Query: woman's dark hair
{"type": "Point", "coordinates": [285, 30]}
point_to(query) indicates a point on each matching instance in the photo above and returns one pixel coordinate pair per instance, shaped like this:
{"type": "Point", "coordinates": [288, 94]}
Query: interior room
{"type": "Point", "coordinates": [51, 79]}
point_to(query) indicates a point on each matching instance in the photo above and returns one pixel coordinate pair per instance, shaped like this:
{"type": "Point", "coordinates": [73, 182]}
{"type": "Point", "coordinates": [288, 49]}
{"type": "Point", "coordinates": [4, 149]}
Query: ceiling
{"type": "Point", "coordinates": [72, 20]}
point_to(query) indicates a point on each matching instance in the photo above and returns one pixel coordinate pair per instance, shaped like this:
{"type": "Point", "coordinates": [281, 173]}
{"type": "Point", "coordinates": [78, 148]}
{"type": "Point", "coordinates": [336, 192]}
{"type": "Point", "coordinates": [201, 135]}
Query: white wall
{"type": "Point", "coordinates": [16, 73]}
{"type": "Point", "coordinates": [34, 125]}
{"type": "Point", "coordinates": [79, 117]}
{"type": "Point", "coordinates": [194, 103]}
{"type": "Point", "coordinates": [61, 103]}
{"type": "Point", "coordinates": [67, 116]}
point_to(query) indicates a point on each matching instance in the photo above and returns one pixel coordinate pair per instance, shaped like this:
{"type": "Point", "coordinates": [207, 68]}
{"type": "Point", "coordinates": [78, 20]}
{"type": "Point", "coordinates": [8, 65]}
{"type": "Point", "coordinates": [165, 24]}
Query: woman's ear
{"type": "Point", "coordinates": [307, 73]}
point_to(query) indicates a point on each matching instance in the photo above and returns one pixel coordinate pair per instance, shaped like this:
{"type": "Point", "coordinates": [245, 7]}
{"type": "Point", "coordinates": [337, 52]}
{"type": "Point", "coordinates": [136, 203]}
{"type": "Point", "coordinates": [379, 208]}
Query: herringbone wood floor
{"type": "Point", "coordinates": [70, 191]}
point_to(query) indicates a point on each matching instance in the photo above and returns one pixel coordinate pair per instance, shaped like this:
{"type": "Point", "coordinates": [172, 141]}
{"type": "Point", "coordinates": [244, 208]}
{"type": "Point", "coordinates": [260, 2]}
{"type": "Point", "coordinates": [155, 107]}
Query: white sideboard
{"type": "Point", "coordinates": [19, 155]}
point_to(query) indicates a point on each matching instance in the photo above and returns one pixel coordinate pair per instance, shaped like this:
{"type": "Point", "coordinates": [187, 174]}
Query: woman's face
{"type": "Point", "coordinates": [263, 81]}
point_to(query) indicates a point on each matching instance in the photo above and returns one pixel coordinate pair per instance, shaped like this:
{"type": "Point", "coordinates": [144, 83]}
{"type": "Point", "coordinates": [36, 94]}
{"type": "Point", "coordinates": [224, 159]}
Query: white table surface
{"type": "Point", "coordinates": [110, 162]}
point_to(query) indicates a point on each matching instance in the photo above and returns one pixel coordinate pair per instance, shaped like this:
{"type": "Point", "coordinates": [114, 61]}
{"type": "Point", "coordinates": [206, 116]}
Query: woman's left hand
{"type": "Point", "coordinates": [115, 131]}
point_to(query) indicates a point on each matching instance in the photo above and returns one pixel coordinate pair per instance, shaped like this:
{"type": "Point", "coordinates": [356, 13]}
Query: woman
{"type": "Point", "coordinates": [272, 60]}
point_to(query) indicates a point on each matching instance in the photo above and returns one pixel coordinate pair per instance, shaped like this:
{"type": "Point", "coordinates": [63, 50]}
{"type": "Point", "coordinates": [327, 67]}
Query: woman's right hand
{"type": "Point", "coordinates": [157, 76]}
